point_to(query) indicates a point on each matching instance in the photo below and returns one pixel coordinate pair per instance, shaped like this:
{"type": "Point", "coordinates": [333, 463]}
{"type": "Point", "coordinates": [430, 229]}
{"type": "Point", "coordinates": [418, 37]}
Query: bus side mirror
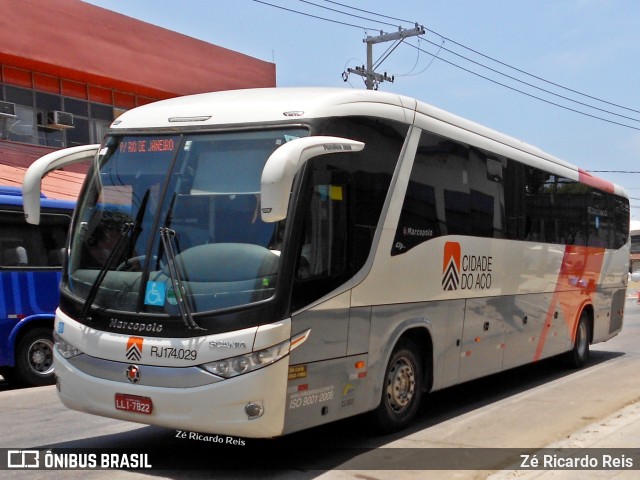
{"type": "Point", "coordinates": [284, 163]}
{"type": "Point", "coordinates": [32, 182]}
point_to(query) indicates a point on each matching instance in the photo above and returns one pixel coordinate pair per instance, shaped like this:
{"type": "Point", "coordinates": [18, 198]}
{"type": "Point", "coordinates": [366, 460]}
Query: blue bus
{"type": "Point", "coordinates": [31, 259]}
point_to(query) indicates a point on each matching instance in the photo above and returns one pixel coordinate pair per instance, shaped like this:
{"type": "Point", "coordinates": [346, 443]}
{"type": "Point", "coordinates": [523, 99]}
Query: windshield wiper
{"type": "Point", "coordinates": [137, 226]}
{"type": "Point", "coordinates": [168, 236]}
{"type": "Point", "coordinates": [115, 252]}
{"type": "Point", "coordinates": [135, 229]}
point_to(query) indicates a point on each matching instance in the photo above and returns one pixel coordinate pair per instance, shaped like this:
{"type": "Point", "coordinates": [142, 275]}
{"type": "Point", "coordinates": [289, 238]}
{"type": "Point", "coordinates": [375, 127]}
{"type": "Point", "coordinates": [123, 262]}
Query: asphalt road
{"type": "Point", "coordinates": [528, 407]}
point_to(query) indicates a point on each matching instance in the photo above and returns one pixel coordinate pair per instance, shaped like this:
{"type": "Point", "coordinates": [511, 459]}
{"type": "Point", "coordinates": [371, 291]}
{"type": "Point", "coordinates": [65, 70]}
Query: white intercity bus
{"type": "Point", "coordinates": [258, 262]}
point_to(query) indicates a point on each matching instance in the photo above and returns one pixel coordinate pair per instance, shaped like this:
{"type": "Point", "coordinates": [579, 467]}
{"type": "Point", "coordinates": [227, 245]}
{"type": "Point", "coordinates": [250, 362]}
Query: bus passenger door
{"type": "Point", "coordinates": [323, 265]}
{"type": "Point", "coordinates": [483, 339]}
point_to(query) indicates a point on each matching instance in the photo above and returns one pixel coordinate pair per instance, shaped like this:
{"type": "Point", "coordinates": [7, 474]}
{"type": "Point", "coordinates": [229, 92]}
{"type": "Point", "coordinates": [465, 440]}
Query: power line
{"type": "Point", "coordinates": [433, 57]}
{"type": "Point", "coordinates": [492, 58]}
{"type": "Point", "coordinates": [472, 61]}
{"type": "Point", "coordinates": [373, 79]}
{"type": "Point", "coordinates": [346, 13]}
{"type": "Point", "coordinates": [530, 84]}
{"type": "Point", "coordinates": [312, 16]}
{"type": "Point", "coordinates": [531, 74]}
{"type": "Point", "coordinates": [368, 12]}
{"type": "Point", "coordinates": [442, 47]}
{"type": "Point", "coordinates": [526, 93]}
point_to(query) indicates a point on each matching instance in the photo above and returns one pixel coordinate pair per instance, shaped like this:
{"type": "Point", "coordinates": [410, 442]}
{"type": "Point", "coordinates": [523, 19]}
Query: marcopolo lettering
{"type": "Point", "coordinates": [135, 326]}
{"type": "Point", "coordinates": [336, 146]}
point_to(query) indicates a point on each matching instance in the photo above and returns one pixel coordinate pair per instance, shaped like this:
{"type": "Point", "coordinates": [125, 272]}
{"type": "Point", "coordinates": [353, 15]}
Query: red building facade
{"type": "Point", "coordinates": [68, 69]}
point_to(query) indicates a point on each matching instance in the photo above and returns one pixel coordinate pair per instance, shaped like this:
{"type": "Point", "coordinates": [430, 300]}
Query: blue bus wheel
{"type": "Point", "coordinates": [34, 358]}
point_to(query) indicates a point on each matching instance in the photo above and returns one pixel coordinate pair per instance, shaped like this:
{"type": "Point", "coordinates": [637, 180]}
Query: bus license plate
{"type": "Point", "coordinates": [134, 403]}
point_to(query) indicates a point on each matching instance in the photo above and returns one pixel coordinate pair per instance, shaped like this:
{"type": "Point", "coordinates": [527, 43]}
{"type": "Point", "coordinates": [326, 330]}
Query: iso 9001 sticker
{"type": "Point", "coordinates": [307, 398]}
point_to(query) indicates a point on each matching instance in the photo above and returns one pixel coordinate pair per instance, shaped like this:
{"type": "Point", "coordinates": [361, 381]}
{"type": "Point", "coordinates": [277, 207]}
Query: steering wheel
{"type": "Point", "coordinates": [133, 264]}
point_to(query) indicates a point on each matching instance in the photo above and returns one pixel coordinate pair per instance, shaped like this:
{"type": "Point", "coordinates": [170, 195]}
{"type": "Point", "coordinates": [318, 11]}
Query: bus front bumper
{"type": "Point", "coordinates": [250, 405]}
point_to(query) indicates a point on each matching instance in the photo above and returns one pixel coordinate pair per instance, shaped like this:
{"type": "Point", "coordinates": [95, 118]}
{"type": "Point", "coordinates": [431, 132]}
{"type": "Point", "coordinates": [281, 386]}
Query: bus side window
{"type": "Point", "coordinates": [55, 239]}
{"type": "Point", "coordinates": [15, 257]}
{"type": "Point", "coordinates": [16, 241]}
{"type": "Point", "coordinates": [324, 244]}
{"type": "Point", "coordinates": [323, 262]}
{"type": "Point", "coordinates": [23, 245]}
{"type": "Point", "coordinates": [438, 198]}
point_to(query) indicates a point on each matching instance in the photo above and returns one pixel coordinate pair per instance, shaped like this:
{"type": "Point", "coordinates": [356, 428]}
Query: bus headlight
{"type": "Point", "coordinates": [231, 367]}
{"type": "Point", "coordinates": [65, 348]}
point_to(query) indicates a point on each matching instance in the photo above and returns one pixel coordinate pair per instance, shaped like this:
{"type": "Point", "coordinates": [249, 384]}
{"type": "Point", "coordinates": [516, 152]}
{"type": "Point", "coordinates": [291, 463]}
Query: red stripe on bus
{"type": "Point", "coordinates": [577, 281]}
{"type": "Point", "coordinates": [586, 177]}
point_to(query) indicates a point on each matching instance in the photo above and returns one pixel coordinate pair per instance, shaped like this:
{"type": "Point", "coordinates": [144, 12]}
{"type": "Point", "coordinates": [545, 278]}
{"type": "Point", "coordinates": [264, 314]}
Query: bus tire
{"type": "Point", "coordinates": [401, 390]}
{"type": "Point", "coordinates": [578, 356]}
{"type": "Point", "coordinates": [34, 358]}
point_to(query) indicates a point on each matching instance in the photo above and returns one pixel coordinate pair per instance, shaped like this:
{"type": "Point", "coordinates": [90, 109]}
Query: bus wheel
{"type": "Point", "coordinates": [578, 356]}
{"type": "Point", "coordinates": [34, 360]}
{"type": "Point", "coordinates": [402, 389]}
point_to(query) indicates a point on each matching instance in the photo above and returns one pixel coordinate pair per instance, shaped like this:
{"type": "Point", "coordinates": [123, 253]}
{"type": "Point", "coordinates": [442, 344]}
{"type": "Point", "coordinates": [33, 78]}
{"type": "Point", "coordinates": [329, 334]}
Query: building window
{"type": "Point", "coordinates": [22, 128]}
{"type": "Point", "coordinates": [98, 130]}
{"type": "Point", "coordinates": [35, 107]}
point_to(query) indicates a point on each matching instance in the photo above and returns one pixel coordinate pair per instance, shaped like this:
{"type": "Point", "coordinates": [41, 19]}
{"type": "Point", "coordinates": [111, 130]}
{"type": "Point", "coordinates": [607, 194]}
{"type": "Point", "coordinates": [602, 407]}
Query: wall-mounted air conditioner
{"type": "Point", "coordinates": [7, 110]}
{"type": "Point", "coordinates": [58, 119]}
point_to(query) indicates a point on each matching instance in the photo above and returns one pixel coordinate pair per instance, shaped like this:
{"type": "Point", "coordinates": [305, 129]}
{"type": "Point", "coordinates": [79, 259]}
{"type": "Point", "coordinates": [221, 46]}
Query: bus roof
{"type": "Point", "coordinates": [259, 105]}
{"type": "Point", "coordinates": [251, 106]}
{"type": "Point", "coordinates": [13, 196]}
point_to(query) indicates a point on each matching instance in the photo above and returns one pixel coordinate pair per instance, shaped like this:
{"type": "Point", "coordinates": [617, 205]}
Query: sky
{"type": "Point", "coordinates": [553, 65]}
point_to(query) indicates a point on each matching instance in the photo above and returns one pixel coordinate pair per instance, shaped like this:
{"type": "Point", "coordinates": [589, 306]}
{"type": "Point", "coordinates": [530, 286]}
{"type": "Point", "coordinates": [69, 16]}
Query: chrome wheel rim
{"type": "Point", "coordinates": [40, 356]}
{"type": "Point", "coordinates": [401, 384]}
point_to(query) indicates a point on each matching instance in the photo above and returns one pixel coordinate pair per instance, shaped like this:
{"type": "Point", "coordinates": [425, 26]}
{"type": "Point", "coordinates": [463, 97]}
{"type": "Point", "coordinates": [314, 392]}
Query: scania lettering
{"type": "Point", "coordinates": [253, 263]}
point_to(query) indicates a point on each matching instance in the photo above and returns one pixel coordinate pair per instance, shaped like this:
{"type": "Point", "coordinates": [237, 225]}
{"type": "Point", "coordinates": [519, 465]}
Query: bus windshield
{"type": "Point", "coordinates": [169, 223]}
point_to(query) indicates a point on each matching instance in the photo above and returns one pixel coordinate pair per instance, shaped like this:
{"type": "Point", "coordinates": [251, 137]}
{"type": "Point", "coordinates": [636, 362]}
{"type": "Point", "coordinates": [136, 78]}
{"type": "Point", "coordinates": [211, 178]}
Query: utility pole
{"type": "Point", "coordinates": [371, 78]}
